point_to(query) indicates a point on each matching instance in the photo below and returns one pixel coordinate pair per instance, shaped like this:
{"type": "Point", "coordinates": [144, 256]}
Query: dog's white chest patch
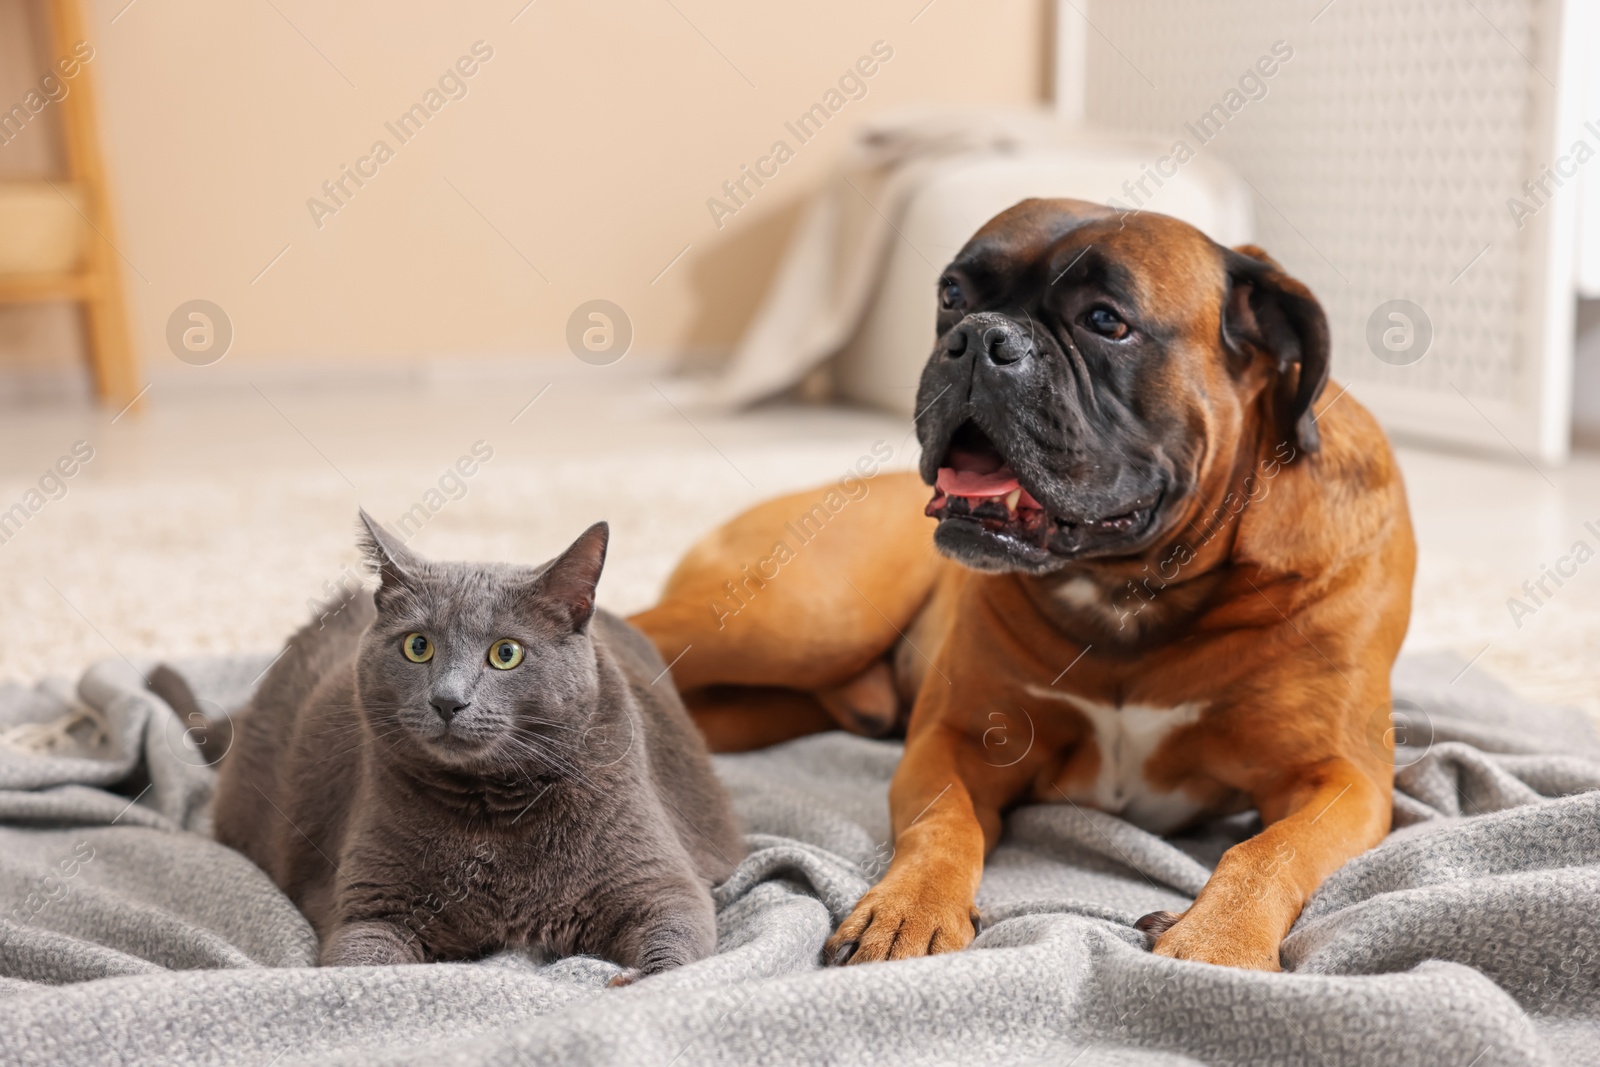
{"type": "Point", "coordinates": [1081, 594]}
{"type": "Point", "coordinates": [1126, 737]}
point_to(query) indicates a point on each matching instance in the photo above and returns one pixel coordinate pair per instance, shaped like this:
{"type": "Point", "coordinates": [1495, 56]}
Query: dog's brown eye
{"type": "Point", "coordinates": [1107, 323]}
{"type": "Point", "coordinates": [949, 293]}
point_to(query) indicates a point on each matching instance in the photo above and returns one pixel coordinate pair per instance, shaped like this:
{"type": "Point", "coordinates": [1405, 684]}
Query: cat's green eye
{"type": "Point", "coordinates": [505, 654]}
{"type": "Point", "coordinates": [417, 647]}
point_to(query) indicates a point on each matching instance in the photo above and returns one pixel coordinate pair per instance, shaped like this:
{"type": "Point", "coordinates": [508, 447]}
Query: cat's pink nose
{"type": "Point", "coordinates": [446, 708]}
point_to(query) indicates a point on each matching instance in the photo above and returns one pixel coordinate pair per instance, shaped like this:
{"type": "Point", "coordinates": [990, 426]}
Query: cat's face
{"type": "Point", "coordinates": [481, 666]}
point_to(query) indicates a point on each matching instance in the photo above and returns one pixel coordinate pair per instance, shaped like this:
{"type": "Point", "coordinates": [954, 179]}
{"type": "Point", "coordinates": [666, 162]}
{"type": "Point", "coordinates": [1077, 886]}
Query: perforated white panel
{"type": "Point", "coordinates": [1382, 153]}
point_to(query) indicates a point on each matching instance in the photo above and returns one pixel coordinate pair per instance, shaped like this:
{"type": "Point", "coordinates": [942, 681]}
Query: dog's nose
{"type": "Point", "coordinates": [447, 707]}
{"type": "Point", "coordinates": [1004, 345]}
{"type": "Point", "coordinates": [1000, 340]}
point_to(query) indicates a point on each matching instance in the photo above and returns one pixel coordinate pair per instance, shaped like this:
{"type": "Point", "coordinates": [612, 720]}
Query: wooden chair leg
{"type": "Point", "coordinates": [112, 356]}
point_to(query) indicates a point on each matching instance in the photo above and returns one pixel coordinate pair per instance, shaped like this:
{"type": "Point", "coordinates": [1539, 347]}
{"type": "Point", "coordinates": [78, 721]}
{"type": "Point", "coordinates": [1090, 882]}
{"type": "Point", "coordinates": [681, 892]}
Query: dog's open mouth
{"type": "Point", "coordinates": [976, 481]}
{"type": "Point", "coordinates": [976, 486]}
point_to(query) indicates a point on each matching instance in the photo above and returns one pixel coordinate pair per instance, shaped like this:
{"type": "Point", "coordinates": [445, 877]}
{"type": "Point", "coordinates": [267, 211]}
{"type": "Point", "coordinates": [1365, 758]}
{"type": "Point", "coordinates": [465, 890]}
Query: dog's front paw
{"type": "Point", "coordinates": [1225, 940]}
{"type": "Point", "coordinates": [901, 918]}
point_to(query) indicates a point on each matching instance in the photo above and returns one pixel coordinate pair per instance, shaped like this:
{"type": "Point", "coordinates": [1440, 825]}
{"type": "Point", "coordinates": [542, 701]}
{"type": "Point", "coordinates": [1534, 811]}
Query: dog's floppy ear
{"type": "Point", "coordinates": [1270, 312]}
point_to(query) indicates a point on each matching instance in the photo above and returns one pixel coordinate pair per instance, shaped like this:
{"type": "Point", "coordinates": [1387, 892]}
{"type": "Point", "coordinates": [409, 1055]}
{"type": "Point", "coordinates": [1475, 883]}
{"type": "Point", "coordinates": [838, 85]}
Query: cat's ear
{"type": "Point", "coordinates": [570, 580]}
{"type": "Point", "coordinates": [388, 557]}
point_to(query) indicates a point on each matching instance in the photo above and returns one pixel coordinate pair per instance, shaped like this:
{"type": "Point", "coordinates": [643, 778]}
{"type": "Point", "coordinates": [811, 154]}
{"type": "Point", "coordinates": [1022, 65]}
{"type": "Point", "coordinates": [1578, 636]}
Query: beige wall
{"type": "Point", "coordinates": [591, 141]}
{"type": "Point", "coordinates": [39, 343]}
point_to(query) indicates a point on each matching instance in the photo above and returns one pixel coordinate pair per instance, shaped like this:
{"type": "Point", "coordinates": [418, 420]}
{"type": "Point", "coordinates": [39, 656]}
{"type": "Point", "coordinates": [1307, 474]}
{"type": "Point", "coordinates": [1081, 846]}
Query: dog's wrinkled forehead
{"type": "Point", "coordinates": [1026, 231]}
{"type": "Point", "coordinates": [1160, 264]}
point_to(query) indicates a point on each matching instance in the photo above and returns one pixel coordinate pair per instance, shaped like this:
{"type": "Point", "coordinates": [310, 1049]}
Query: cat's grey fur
{"type": "Point", "coordinates": [569, 805]}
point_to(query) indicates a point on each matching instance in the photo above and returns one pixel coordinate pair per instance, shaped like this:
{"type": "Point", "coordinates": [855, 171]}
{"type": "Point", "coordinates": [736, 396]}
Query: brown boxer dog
{"type": "Point", "coordinates": [1163, 581]}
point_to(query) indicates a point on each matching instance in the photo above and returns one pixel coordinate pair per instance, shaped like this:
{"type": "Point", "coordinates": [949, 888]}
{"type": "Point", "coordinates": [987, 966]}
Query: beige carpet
{"type": "Point", "coordinates": [210, 522]}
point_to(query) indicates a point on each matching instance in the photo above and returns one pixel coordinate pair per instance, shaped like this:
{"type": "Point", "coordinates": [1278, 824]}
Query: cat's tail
{"type": "Point", "coordinates": [212, 733]}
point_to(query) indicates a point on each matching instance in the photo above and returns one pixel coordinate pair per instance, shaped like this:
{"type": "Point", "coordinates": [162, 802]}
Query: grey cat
{"type": "Point", "coordinates": [475, 757]}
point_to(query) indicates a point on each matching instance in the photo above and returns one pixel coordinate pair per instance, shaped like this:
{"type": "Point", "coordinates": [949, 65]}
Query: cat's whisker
{"type": "Point", "coordinates": [363, 744]}
{"type": "Point", "coordinates": [354, 723]}
{"type": "Point", "coordinates": [337, 729]}
{"type": "Point", "coordinates": [550, 759]}
{"type": "Point", "coordinates": [562, 745]}
{"type": "Point", "coordinates": [521, 746]}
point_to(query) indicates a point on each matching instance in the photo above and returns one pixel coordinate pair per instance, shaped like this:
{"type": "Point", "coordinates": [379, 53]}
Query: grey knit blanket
{"type": "Point", "coordinates": [1470, 937]}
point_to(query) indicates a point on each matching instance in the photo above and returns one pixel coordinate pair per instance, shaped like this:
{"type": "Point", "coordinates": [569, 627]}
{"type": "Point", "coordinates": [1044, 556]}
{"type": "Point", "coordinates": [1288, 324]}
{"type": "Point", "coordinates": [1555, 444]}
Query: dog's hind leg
{"type": "Point", "coordinates": [807, 593]}
{"type": "Point", "coordinates": [867, 704]}
{"type": "Point", "coordinates": [738, 718]}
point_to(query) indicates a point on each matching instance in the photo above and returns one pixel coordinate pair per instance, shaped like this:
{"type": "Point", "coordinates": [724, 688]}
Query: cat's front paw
{"type": "Point", "coordinates": [673, 925]}
{"type": "Point", "coordinates": [625, 977]}
{"type": "Point", "coordinates": [369, 944]}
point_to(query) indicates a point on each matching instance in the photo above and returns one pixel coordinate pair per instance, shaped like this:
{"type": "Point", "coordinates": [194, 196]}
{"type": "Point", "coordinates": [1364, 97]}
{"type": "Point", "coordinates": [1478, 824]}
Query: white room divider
{"type": "Point", "coordinates": [1416, 162]}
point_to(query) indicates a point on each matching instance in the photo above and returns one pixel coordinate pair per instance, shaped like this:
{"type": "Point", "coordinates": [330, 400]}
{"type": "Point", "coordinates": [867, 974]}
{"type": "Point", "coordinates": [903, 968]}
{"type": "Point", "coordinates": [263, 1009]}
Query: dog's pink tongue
{"type": "Point", "coordinates": [971, 483]}
{"type": "Point", "coordinates": [982, 485]}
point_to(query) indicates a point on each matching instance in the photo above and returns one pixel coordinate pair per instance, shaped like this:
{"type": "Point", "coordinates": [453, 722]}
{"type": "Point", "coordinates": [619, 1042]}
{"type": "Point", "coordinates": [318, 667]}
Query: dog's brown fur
{"type": "Point", "coordinates": [1282, 629]}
